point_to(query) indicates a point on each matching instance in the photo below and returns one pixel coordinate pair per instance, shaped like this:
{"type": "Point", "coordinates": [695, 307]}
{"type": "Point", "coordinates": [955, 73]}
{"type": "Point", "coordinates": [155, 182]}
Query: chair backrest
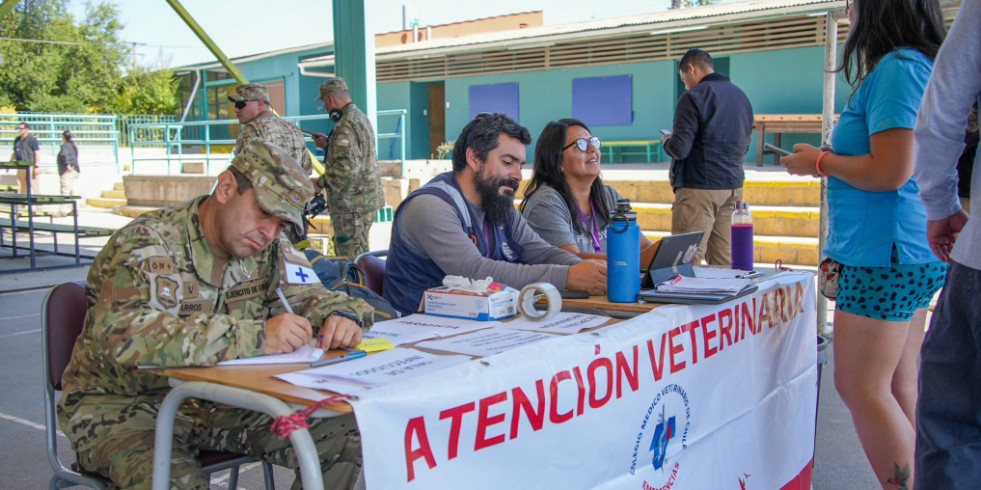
{"type": "Point", "coordinates": [62, 318]}
{"type": "Point", "coordinates": [373, 267]}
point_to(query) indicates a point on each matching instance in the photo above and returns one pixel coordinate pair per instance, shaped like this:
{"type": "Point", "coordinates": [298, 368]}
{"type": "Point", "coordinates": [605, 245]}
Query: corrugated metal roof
{"type": "Point", "coordinates": [615, 26]}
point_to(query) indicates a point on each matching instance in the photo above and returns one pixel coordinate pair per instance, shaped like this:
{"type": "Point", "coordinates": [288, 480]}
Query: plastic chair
{"type": "Point", "coordinates": [373, 266]}
{"type": "Point", "coordinates": [62, 317]}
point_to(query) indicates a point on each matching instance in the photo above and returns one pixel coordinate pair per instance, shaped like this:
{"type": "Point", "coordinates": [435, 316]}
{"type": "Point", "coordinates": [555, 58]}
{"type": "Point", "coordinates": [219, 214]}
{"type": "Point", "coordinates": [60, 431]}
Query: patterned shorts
{"type": "Point", "coordinates": [891, 293]}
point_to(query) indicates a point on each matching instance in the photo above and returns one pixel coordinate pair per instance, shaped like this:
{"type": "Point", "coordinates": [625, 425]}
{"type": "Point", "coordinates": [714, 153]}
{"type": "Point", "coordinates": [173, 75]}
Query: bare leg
{"type": "Point", "coordinates": [868, 354]}
{"type": "Point", "coordinates": [904, 379]}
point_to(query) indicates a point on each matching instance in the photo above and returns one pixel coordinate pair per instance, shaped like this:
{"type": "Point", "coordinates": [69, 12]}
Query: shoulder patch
{"type": "Point", "coordinates": [343, 142]}
{"type": "Point", "coordinates": [165, 291]}
{"type": "Point", "coordinates": [159, 265]}
{"type": "Point", "coordinates": [295, 256]}
{"type": "Point", "coordinates": [299, 274]}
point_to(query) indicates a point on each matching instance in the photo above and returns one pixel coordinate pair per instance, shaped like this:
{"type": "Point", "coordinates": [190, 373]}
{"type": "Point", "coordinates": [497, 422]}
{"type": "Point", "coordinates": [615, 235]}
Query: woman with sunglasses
{"type": "Point", "coordinates": [877, 226]}
{"type": "Point", "coordinates": [566, 202]}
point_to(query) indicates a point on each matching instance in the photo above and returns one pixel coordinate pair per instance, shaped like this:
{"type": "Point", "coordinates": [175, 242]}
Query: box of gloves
{"type": "Point", "coordinates": [460, 297]}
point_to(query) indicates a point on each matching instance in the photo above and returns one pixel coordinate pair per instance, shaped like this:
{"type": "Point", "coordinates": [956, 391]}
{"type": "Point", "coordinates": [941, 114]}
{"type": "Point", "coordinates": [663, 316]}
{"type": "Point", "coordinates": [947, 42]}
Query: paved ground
{"type": "Point", "coordinates": [839, 461]}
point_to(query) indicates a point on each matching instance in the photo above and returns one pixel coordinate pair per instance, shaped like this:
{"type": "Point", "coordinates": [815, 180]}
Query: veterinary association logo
{"type": "Point", "coordinates": [663, 432]}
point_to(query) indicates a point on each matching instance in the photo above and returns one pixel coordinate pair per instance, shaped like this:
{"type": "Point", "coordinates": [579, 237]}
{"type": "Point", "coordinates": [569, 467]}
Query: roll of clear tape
{"type": "Point", "coordinates": [530, 295]}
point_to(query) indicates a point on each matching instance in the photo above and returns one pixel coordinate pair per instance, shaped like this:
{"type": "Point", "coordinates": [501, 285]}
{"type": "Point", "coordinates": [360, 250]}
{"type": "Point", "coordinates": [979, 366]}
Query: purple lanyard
{"type": "Point", "coordinates": [586, 221]}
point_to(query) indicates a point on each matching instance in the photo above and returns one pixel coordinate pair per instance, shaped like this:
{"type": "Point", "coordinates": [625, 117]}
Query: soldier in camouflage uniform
{"type": "Point", "coordinates": [258, 122]}
{"type": "Point", "coordinates": [193, 285]}
{"type": "Point", "coordinates": [351, 176]}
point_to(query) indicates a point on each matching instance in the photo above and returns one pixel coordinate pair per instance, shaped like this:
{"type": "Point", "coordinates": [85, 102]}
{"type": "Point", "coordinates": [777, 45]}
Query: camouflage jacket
{"type": "Point", "coordinates": [351, 176]}
{"type": "Point", "coordinates": [280, 132]}
{"type": "Point", "coordinates": [156, 298]}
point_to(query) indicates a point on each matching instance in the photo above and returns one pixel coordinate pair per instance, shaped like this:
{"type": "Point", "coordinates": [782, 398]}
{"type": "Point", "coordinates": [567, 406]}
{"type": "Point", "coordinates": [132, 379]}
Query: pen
{"type": "Point", "coordinates": [334, 360]}
{"type": "Point", "coordinates": [286, 304]}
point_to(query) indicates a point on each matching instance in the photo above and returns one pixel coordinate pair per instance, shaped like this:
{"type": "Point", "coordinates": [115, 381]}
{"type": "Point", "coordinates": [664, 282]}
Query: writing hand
{"type": "Point", "coordinates": [286, 333]}
{"type": "Point", "coordinates": [339, 332]}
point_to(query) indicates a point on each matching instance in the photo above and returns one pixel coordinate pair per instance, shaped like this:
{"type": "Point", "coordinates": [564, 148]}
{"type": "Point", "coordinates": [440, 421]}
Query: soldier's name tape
{"type": "Point", "coordinates": [530, 295]}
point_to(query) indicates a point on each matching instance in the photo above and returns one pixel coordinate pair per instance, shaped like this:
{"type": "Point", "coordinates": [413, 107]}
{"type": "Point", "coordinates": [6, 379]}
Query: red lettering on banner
{"type": "Point", "coordinates": [692, 329]}
{"type": "Point", "coordinates": [520, 403]}
{"type": "Point", "coordinates": [605, 363]}
{"type": "Point", "coordinates": [764, 315]}
{"type": "Point", "coordinates": [707, 335]}
{"type": "Point", "coordinates": [580, 390]}
{"type": "Point", "coordinates": [675, 349]}
{"type": "Point", "coordinates": [747, 318]}
{"type": "Point", "coordinates": [624, 372]}
{"type": "Point", "coordinates": [799, 301]}
{"type": "Point", "coordinates": [484, 421]}
{"type": "Point", "coordinates": [725, 328]}
{"type": "Point", "coordinates": [553, 414]}
{"type": "Point", "coordinates": [455, 415]}
{"type": "Point", "coordinates": [780, 301]}
{"type": "Point", "coordinates": [657, 362]}
{"type": "Point", "coordinates": [415, 429]}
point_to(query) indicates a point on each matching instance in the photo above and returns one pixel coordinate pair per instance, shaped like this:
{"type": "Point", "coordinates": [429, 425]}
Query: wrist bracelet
{"type": "Point", "coordinates": [347, 314]}
{"type": "Point", "coordinates": [817, 163]}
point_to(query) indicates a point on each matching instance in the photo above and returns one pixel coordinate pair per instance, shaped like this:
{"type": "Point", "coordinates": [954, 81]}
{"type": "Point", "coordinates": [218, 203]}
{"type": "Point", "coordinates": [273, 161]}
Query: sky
{"type": "Point", "coordinates": [244, 27]}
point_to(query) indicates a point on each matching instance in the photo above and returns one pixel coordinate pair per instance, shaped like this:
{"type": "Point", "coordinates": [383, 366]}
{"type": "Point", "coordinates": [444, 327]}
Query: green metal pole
{"type": "Point", "coordinates": [203, 36]}
{"type": "Point", "coordinates": [7, 6]}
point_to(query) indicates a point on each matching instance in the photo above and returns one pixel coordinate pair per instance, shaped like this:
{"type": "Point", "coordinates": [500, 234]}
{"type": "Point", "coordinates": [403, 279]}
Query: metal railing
{"type": "Point", "coordinates": [178, 139]}
{"type": "Point", "coordinates": [88, 130]}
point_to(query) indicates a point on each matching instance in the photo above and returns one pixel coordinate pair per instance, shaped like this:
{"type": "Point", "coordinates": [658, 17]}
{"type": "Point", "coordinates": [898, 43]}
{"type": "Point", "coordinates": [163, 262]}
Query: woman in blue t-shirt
{"type": "Point", "coordinates": [566, 202]}
{"type": "Point", "coordinates": [878, 225]}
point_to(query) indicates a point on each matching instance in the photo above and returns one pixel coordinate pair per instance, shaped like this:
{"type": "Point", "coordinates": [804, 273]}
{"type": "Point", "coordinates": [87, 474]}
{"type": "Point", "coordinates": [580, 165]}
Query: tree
{"type": "Point", "coordinates": [51, 63]}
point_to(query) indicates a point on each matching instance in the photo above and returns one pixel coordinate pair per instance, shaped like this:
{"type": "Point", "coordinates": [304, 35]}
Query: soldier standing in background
{"type": "Point", "coordinates": [258, 122]}
{"type": "Point", "coordinates": [351, 176]}
{"type": "Point", "coordinates": [193, 285]}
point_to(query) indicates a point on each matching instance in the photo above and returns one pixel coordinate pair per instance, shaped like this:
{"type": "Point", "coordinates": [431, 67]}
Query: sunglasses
{"type": "Point", "coordinates": [240, 104]}
{"type": "Point", "coordinates": [476, 122]}
{"type": "Point", "coordinates": [21, 128]}
{"type": "Point", "coordinates": [583, 143]}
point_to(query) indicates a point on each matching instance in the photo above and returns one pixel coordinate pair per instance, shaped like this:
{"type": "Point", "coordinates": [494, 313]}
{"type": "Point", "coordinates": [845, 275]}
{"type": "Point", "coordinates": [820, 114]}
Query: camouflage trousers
{"type": "Point", "coordinates": [351, 233]}
{"type": "Point", "coordinates": [113, 436]}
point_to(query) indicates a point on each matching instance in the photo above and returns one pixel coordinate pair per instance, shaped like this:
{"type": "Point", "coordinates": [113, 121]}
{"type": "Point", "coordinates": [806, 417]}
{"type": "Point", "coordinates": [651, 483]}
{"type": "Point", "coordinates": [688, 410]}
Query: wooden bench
{"type": "Point", "coordinates": [615, 150]}
{"type": "Point", "coordinates": [777, 124]}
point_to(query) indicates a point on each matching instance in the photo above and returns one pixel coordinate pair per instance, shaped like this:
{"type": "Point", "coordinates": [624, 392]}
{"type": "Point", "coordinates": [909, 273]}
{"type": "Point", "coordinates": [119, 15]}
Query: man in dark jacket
{"type": "Point", "coordinates": [712, 125]}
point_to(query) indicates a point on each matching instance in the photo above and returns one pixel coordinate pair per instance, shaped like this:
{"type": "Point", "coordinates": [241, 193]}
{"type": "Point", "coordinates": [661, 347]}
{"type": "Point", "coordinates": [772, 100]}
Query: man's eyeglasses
{"type": "Point", "coordinates": [240, 104]}
{"type": "Point", "coordinates": [21, 128]}
{"type": "Point", "coordinates": [583, 143]}
{"type": "Point", "coordinates": [476, 122]}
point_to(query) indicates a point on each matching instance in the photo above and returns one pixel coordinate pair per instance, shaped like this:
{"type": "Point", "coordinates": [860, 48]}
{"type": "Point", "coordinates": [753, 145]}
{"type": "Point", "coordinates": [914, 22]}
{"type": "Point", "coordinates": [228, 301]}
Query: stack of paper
{"type": "Point", "coordinates": [681, 284]}
{"type": "Point", "coordinates": [305, 353]}
{"type": "Point", "coordinates": [372, 371]}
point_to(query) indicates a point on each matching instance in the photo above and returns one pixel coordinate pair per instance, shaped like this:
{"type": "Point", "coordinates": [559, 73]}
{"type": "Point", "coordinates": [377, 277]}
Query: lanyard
{"type": "Point", "coordinates": [586, 221]}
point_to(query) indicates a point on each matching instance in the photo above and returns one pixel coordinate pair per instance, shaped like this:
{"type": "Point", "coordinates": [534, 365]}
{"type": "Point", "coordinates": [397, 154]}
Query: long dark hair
{"type": "Point", "coordinates": [548, 171]}
{"type": "Point", "coordinates": [70, 139]}
{"type": "Point", "coordinates": [884, 25]}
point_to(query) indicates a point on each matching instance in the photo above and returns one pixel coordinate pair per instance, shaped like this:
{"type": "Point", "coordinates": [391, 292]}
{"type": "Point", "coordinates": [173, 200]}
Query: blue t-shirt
{"type": "Point", "coordinates": [864, 226]}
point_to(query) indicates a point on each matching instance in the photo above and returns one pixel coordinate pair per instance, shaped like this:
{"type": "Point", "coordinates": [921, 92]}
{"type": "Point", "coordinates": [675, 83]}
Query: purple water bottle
{"type": "Point", "coordinates": [742, 237]}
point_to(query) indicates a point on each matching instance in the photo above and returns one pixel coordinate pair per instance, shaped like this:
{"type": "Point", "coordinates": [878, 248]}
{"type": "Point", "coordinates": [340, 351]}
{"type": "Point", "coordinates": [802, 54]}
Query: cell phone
{"type": "Point", "coordinates": [665, 132]}
{"type": "Point", "coordinates": [776, 149]}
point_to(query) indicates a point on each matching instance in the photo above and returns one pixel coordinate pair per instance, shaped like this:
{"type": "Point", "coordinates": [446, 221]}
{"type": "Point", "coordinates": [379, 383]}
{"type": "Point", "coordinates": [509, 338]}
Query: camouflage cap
{"type": "Point", "coordinates": [281, 187]}
{"type": "Point", "coordinates": [250, 91]}
{"type": "Point", "coordinates": [332, 86]}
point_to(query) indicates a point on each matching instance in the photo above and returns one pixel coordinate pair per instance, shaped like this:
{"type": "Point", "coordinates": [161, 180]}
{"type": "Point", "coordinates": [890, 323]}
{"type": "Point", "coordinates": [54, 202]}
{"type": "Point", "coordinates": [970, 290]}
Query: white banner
{"type": "Point", "coordinates": [686, 397]}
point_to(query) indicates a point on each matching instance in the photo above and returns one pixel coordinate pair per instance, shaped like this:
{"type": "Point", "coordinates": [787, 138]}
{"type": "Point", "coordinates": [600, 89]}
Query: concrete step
{"type": "Point", "coordinates": [114, 194]}
{"type": "Point", "coordinates": [756, 193]}
{"type": "Point", "coordinates": [119, 186]}
{"type": "Point", "coordinates": [103, 202]}
{"type": "Point", "coordinates": [767, 220]}
{"type": "Point", "coordinates": [768, 249]}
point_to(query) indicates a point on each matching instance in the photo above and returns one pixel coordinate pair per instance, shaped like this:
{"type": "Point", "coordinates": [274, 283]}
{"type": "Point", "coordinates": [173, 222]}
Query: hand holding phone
{"type": "Point", "coordinates": [665, 132]}
{"type": "Point", "coordinates": [776, 149]}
